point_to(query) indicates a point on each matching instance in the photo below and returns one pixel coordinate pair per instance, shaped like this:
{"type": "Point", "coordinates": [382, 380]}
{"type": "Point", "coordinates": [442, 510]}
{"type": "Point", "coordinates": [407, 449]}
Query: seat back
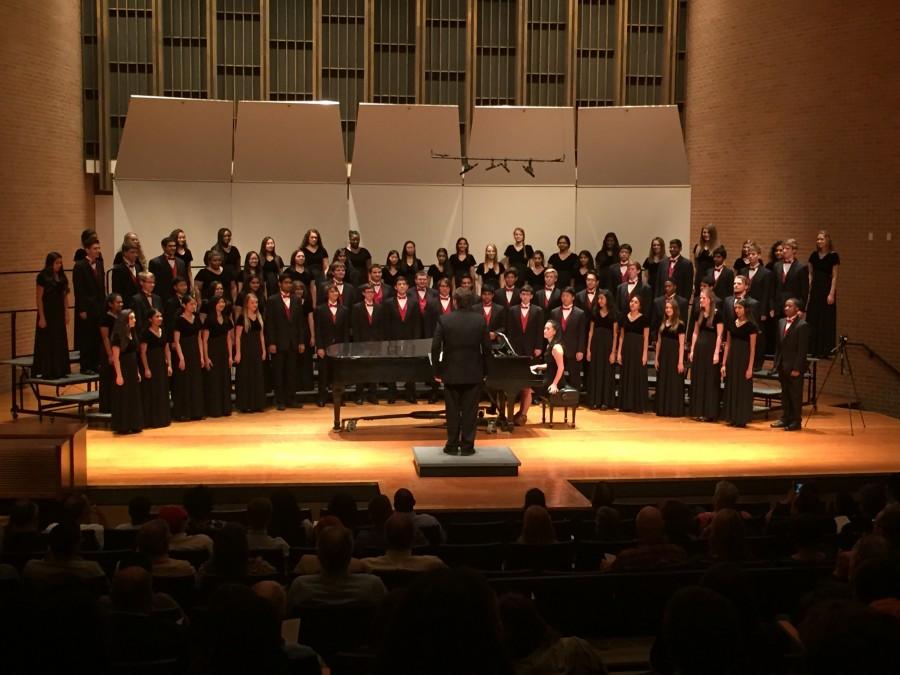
{"type": "Point", "coordinates": [485, 557]}
{"type": "Point", "coordinates": [558, 556]}
{"type": "Point", "coordinates": [333, 629]}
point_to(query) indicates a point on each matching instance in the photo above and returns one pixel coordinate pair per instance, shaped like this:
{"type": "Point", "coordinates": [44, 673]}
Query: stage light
{"type": "Point", "coordinates": [528, 168]}
{"type": "Point", "coordinates": [493, 166]}
{"type": "Point", "coordinates": [504, 165]}
{"type": "Point", "coordinates": [467, 167]}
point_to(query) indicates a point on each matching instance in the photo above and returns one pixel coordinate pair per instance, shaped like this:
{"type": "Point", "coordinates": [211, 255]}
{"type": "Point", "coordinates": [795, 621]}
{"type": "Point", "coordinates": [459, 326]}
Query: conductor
{"type": "Point", "coordinates": [460, 351]}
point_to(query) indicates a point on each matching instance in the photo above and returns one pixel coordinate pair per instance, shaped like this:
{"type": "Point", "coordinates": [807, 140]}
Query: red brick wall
{"type": "Point", "coordinates": [792, 125]}
{"type": "Point", "coordinates": [45, 197]}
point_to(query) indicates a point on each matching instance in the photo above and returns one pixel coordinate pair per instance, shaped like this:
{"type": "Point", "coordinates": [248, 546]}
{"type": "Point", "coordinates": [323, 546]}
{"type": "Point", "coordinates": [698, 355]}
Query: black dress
{"type": "Point", "coordinates": [188, 390]}
{"type": "Point", "coordinates": [390, 278]}
{"type": "Point", "coordinates": [633, 375]}
{"type": "Point", "coordinates": [518, 260]}
{"type": "Point", "coordinates": [669, 382]}
{"type": "Point", "coordinates": [738, 389]}
{"type": "Point", "coordinates": [579, 281]}
{"type": "Point", "coordinates": [305, 379]}
{"type": "Point", "coordinates": [51, 343]}
{"type": "Point", "coordinates": [408, 271]}
{"type": "Point", "coordinates": [489, 278]}
{"type": "Point", "coordinates": [460, 268]}
{"type": "Point", "coordinates": [314, 262]}
{"type": "Point", "coordinates": [601, 386]}
{"type": "Point", "coordinates": [652, 270]}
{"type": "Point", "coordinates": [127, 409]}
{"type": "Point", "coordinates": [187, 257]}
{"type": "Point", "coordinates": [551, 369]}
{"type": "Point", "coordinates": [206, 276]}
{"type": "Point", "coordinates": [565, 268]}
{"type": "Point", "coordinates": [360, 261]}
{"type": "Point", "coordinates": [250, 387]}
{"type": "Point", "coordinates": [271, 269]}
{"type": "Point", "coordinates": [821, 317]}
{"type": "Point", "coordinates": [535, 279]}
{"type": "Point", "coordinates": [218, 378]}
{"type": "Point", "coordinates": [706, 377]}
{"type": "Point", "coordinates": [231, 261]}
{"type": "Point", "coordinates": [155, 389]}
{"type": "Point", "coordinates": [703, 263]}
{"type": "Point", "coordinates": [107, 373]}
{"type": "Point", "coordinates": [436, 275]}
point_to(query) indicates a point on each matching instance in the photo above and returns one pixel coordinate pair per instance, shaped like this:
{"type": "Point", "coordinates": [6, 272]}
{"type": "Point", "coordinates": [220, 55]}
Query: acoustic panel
{"type": "Point", "coordinates": [297, 142]}
{"type": "Point", "coordinates": [176, 139]}
{"type": "Point", "coordinates": [631, 146]}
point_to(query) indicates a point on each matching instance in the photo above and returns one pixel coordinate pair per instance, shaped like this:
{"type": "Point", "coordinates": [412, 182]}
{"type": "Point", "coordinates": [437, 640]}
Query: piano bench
{"type": "Point", "coordinates": [565, 398]}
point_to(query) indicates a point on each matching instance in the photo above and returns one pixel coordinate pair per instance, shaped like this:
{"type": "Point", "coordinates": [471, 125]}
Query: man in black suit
{"type": "Point", "coordinates": [617, 274]}
{"type": "Point", "coordinates": [723, 278]}
{"type": "Point", "coordinates": [739, 293]}
{"type": "Point", "coordinates": [508, 295]}
{"type": "Point", "coordinates": [494, 315]}
{"type": "Point", "coordinates": [429, 309]}
{"type": "Point", "coordinates": [659, 307]}
{"type": "Point", "coordinates": [346, 291]}
{"type": "Point", "coordinates": [125, 275]}
{"type": "Point", "coordinates": [633, 287]}
{"type": "Point", "coordinates": [791, 278]}
{"type": "Point", "coordinates": [403, 323]}
{"type": "Point", "coordinates": [790, 363]}
{"type": "Point", "coordinates": [367, 325]}
{"type": "Point", "coordinates": [678, 269]}
{"type": "Point", "coordinates": [145, 301]}
{"type": "Point", "coordinates": [548, 297]}
{"type": "Point", "coordinates": [383, 292]}
{"type": "Point", "coordinates": [573, 334]}
{"type": "Point", "coordinates": [167, 267]}
{"type": "Point", "coordinates": [761, 287]}
{"type": "Point", "coordinates": [460, 354]}
{"type": "Point", "coordinates": [586, 300]}
{"type": "Point", "coordinates": [90, 305]}
{"type": "Point", "coordinates": [285, 338]}
{"type": "Point", "coordinates": [332, 324]}
{"type": "Point", "coordinates": [525, 325]}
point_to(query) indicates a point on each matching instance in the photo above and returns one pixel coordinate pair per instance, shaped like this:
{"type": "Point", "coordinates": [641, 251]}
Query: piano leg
{"type": "Point", "coordinates": [337, 395]}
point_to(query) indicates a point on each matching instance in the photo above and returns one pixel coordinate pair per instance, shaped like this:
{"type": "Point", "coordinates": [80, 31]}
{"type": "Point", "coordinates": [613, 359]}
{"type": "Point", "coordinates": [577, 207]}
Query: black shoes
{"type": "Point", "coordinates": [778, 424]}
{"type": "Point", "coordinates": [792, 427]}
{"type": "Point", "coordinates": [458, 450]}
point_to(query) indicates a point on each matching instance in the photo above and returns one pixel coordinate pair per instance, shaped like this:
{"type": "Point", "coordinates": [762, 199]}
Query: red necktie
{"type": "Point", "coordinates": [370, 315]}
{"type": "Point", "coordinates": [379, 295]}
{"type": "Point", "coordinates": [565, 321]}
{"type": "Point", "coordinates": [445, 310]}
{"type": "Point", "coordinates": [422, 304]}
{"type": "Point", "coordinates": [787, 326]}
{"type": "Point", "coordinates": [524, 319]}
{"type": "Point", "coordinates": [402, 311]}
{"type": "Point", "coordinates": [487, 316]}
{"type": "Point", "coordinates": [547, 298]}
{"type": "Point", "coordinates": [287, 307]}
{"type": "Point", "coordinates": [671, 267]}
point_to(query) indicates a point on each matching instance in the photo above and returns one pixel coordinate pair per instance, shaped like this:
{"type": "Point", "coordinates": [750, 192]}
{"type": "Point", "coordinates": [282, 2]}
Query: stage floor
{"type": "Point", "coordinates": [298, 446]}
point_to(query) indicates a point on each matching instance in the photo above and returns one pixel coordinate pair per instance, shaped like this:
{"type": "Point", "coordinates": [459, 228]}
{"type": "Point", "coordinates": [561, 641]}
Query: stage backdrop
{"type": "Point", "coordinates": [272, 168]}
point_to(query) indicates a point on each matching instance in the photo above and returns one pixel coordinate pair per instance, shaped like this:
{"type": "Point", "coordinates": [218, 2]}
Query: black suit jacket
{"type": "Point", "coordinates": [286, 333]}
{"type": "Point", "coordinates": [90, 289]}
{"type": "Point", "coordinates": [612, 277]}
{"type": "Point", "coordinates": [400, 328]}
{"type": "Point", "coordinates": [791, 349]}
{"type": "Point", "coordinates": [762, 289]}
{"type": "Point", "coordinates": [574, 336]}
{"type": "Point", "coordinates": [347, 299]}
{"type": "Point", "coordinates": [124, 284]}
{"type": "Point", "coordinates": [724, 285]}
{"type": "Point", "coordinates": [581, 301]}
{"type": "Point", "coordinates": [683, 275]}
{"type": "Point", "coordinates": [500, 297]}
{"type": "Point", "coordinates": [727, 308]}
{"type": "Point", "coordinates": [461, 348]}
{"type": "Point", "coordinates": [142, 305]}
{"type": "Point", "coordinates": [548, 304]}
{"type": "Point", "coordinates": [623, 297]}
{"type": "Point", "coordinates": [161, 270]}
{"type": "Point", "coordinates": [659, 307]}
{"type": "Point", "coordinates": [386, 294]}
{"type": "Point", "coordinates": [532, 338]}
{"type": "Point", "coordinates": [498, 316]}
{"type": "Point", "coordinates": [361, 329]}
{"type": "Point", "coordinates": [331, 330]}
{"type": "Point", "coordinates": [794, 285]}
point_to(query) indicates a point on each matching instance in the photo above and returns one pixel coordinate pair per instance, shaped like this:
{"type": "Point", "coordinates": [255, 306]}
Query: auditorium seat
{"type": "Point", "coordinates": [119, 540]}
{"type": "Point", "coordinates": [477, 556]}
{"type": "Point", "coordinates": [333, 629]}
{"type": "Point", "coordinates": [539, 557]}
{"type": "Point", "coordinates": [483, 532]}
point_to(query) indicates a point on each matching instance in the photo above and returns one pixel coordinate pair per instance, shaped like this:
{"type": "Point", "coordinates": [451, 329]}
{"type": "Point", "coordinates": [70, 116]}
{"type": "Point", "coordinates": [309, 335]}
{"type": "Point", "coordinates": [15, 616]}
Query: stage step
{"type": "Point", "coordinates": [68, 380]}
{"type": "Point", "coordinates": [80, 398]}
{"type": "Point", "coordinates": [28, 361]}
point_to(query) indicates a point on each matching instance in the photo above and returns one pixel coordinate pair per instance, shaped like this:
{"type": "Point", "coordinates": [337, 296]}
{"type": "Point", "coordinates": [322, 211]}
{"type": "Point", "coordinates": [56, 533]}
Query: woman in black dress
{"type": "Point", "coordinates": [634, 341]}
{"type": "Point", "coordinates": [127, 409]}
{"type": "Point", "coordinates": [218, 337]}
{"type": "Point", "coordinates": [438, 270]}
{"type": "Point", "coordinates": [51, 342]}
{"type": "Point", "coordinates": [462, 263]}
{"type": "Point", "coordinates": [182, 251]}
{"type": "Point", "coordinates": [737, 366]}
{"type": "Point", "coordinates": [250, 352]}
{"type": "Point", "coordinates": [670, 363]}
{"type": "Point", "coordinates": [305, 380]}
{"type": "Point", "coordinates": [821, 309]}
{"type": "Point", "coordinates": [601, 353]}
{"type": "Point", "coordinates": [776, 254]}
{"type": "Point", "coordinates": [703, 257]}
{"type": "Point", "coordinates": [231, 257]}
{"type": "Point", "coordinates": [410, 263]}
{"type": "Point", "coordinates": [534, 273]}
{"type": "Point", "coordinates": [609, 254]}
{"type": "Point", "coordinates": [156, 360]}
{"type": "Point", "coordinates": [706, 345]}
{"type": "Point", "coordinates": [651, 263]}
{"type": "Point", "coordinates": [107, 374]}
{"type": "Point", "coordinates": [215, 271]}
{"type": "Point", "coordinates": [255, 286]}
{"type": "Point", "coordinates": [553, 367]}
{"type": "Point", "coordinates": [272, 264]}
{"type": "Point", "coordinates": [585, 265]}
{"type": "Point", "coordinates": [564, 262]}
{"type": "Point", "coordinates": [742, 262]}
{"type": "Point", "coordinates": [252, 268]}
{"type": "Point", "coordinates": [517, 255]}
{"type": "Point", "coordinates": [391, 270]}
{"type": "Point", "coordinates": [188, 391]}
{"type": "Point", "coordinates": [299, 271]}
{"type": "Point", "coordinates": [489, 272]}
{"type": "Point", "coordinates": [316, 255]}
{"type": "Point", "coordinates": [206, 305]}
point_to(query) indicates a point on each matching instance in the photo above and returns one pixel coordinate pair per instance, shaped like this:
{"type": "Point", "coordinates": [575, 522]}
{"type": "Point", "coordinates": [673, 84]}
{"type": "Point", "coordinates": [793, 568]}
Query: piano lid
{"type": "Point", "coordinates": [385, 349]}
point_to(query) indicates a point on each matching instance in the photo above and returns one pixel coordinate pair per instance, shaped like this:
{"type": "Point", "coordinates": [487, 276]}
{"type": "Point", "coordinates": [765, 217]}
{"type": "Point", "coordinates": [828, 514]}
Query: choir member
{"type": "Point", "coordinates": [670, 363]}
{"type": "Point", "coordinates": [677, 268]}
{"type": "Point", "coordinates": [609, 253]}
{"type": "Point", "coordinates": [86, 236]}
{"type": "Point", "coordinates": [367, 325]}
{"type": "Point", "coordinates": [524, 324]}
{"type": "Point", "coordinates": [316, 255]}
{"type": "Point", "coordinates": [548, 297]}
{"type": "Point", "coordinates": [182, 252]}
{"type": "Point", "coordinates": [346, 290]}
{"type": "Point", "coordinates": [403, 323]}
{"type": "Point", "coordinates": [615, 274]}
{"type": "Point", "coordinates": [723, 278]}
{"type": "Point", "coordinates": [444, 299]}
{"type": "Point", "coordinates": [206, 305]}
{"type": "Point", "coordinates": [350, 274]}
{"type": "Point", "coordinates": [761, 287]}
{"type": "Point", "coordinates": [462, 263]}
{"type": "Point", "coordinates": [437, 270]}
{"type": "Point", "coordinates": [775, 255]}
{"type": "Point", "coordinates": [114, 306]}
{"type": "Point", "coordinates": [131, 240]}
{"type": "Point", "coordinates": [332, 319]}
{"type": "Point", "coordinates": [534, 274]}
{"type": "Point", "coordinates": [172, 306]}
{"type": "Point", "coordinates": [249, 355]}
{"type": "Point", "coordinates": [391, 270]}
{"type": "Point", "coordinates": [739, 292]}
{"type": "Point", "coordinates": [586, 299]}
{"type": "Point", "coordinates": [409, 262]}
{"type": "Point", "coordinates": [254, 285]}
{"type": "Point", "coordinates": [168, 267]}
{"type": "Point", "coordinates": [518, 254]}
{"type": "Point", "coordinates": [706, 345]}
{"type": "Point", "coordinates": [508, 294]}
{"type": "Point", "coordinates": [791, 277]}
{"type": "Point", "coordinates": [51, 342]}
{"type": "Point", "coordinates": [359, 257]}
{"type": "Point", "coordinates": [145, 301]}
{"type": "Point", "coordinates": [489, 272]}
{"type": "Point", "coordinates": [743, 260]}
{"type": "Point", "coordinates": [703, 255]}
{"type": "Point", "coordinates": [90, 294]}
{"type": "Point", "coordinates": [821, 308]}
{"type": "Point", "coordinates": [125, 274]}
{"type": "Point", "coordinates": [424, 297]}
{"type": "Point", "coordinates": [494, 316]}
{"type": "Point", "coordinates": [634, 341]}
{"type": "Point", "coordinates": [659, 306]}
{"type": "Point", "coordinates": [187, 395]}
{"type": "Point", "coordinates": [156, 361]}
{"type": "Point", "coordinates": [737, 365]}
{"type": "Point", "coordinates": [215, 271]}
{"type": "Point", "coordinates": [300, 272]}
{"type": "Point", "coordinates": [382, 290]}
{"type": "Point", "coordinates": [127, 410]}
{"type": "Point", "coordinates": [231, 257]}
{"type": "Point", "coordinates": [651, 263]}
{"type": "Point", "coordinates": [305, 381]}
{"type": "Point", "coordinates": [791, 364]}
{"type": "Point", "coordinates": [252, 268]}
{"type": "Point", "coordinates": [554, 370]}
{"type": "Point", "coordinates": [633, 286]}
{"type": "Point", "coordinates": [217, 337]}
{"type": "Point", "coordinates": [285, 338]}
{"type": "Point", "coordinates": [565, 262]}
{"type": "Point", "coordinates": [467, 282]}
{"type": "Point", "coordinates": [572, 333]}
{"type": "Point", "coordinates": [585, 267]}
{"type": "Point", "coordinates": [602, 349]}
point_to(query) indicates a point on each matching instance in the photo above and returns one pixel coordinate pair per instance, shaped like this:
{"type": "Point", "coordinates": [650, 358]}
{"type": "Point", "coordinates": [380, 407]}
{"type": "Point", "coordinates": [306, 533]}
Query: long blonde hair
{"type": "Point", "coordinates": [245, 315]}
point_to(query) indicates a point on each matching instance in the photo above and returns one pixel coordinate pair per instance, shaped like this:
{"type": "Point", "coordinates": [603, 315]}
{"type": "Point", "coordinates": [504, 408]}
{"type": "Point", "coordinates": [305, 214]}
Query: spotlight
{"type": "Point", "coordinates": [504, 165]}
{"type": "Point", "coordinates": [528, 168]}
{"type": "Point", "coordinates": [493, 166]}
{"type": "Point", "coordinates": [467, 167]}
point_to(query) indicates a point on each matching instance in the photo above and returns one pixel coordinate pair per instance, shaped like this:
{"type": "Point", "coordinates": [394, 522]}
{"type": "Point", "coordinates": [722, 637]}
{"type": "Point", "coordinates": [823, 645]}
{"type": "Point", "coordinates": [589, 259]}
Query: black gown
{"type": "Point", "coordinates": [314, 262]}
{"type": "Point", "coordinates": [821, 317]}
{"type": "Point", "coordinates": [489, 278]}
{"type": "Point", "coordinates": [518, 260]}
{"type": "Point", "coordinates": [51, 344]}
{"type": "Point", "coordinates": [127, 409]}
{"type": "Point", "coordinates": [535, 279]}
{"type": "Point", "coordinates": [389, 278]}
{"type": "Point", "coordinates": [305, 379]}
{"type": "Point", "coordinates": [250, 384]}
{"type": "Point", "coordinates": [107, 381]}
{"type": "Point", "coordinates": [460, 268]}
{"type": "Point", "coordinates": [566, 269]}
{"type": "Point", "coordinates": [703, 263]}
{"type": "Point", "coordinates": [550, 370]}
{"type": "Point", "coordinates": [270, 270]}
{"type": "Point", "coordinates": [706, 377]}
{"type": "Point", "coordinates": [652, 269]}
{"type": "Point", "coordinates": [218, 378]}
{"type": "Point", "coordinates": [155, 389]}
{"type": "Point", "coordinates": [188, 394]}
{"type": "Point", "coordinates": [435, 275]}
{"type": "Point", "coordinates": [738, 389]}
{"type": "Point", "coordinates": [601, 385]}
{"type": "Point", "coordinates": [633, 375]}
{"type": "Point", "coordinates": [669, 382]}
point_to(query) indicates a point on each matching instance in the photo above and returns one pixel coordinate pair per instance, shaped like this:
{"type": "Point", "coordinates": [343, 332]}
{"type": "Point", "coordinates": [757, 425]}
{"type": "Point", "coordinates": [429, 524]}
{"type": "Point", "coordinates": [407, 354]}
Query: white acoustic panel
{"type": "Point", "coordinates": [393, 145]}
{"type": "Point", "coordinates": [386, 216]}
{"type": "Point", "coordinates": [297, 142]}
{"type": "Point", "coordinates": [176, 139]}
{"type": "Point", "coordinates": [631, 146]}
{"type": "Point", "coordinates": [539, 133]}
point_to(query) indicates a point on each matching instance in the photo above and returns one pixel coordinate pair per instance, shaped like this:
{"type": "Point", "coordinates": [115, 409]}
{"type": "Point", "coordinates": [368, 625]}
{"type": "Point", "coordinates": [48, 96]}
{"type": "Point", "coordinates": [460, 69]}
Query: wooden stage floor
{"type": "Point", "coordinates": [298, 446]}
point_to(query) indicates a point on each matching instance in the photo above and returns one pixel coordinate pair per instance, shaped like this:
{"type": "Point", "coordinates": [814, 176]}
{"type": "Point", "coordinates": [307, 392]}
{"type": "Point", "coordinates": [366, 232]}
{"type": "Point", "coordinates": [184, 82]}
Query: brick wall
{"type": "Point", "coordinates": [45, 197]}
{"type": "Point", "coordinates": [792, 125]}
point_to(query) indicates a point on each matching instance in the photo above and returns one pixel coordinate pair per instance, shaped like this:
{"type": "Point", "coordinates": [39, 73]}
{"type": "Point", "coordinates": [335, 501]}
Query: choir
{"type": "Point", "coordinates": [269, 321]}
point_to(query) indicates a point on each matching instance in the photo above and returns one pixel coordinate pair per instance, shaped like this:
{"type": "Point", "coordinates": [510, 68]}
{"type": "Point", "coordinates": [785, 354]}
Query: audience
{"type": "Point", "coordinates": [429, 526]}
{"type": "Point", "coordinates": [63, 561]}
{"type": "Point", "coordinates": [806, 534]}
{"type": "Point", "coordinates": [287, 519]}
{"type": "Point", "coordinates": [230, 560]}
{"type": "Point", "coordinates": [309, 563]}
{"type": "Point", "coordinates": [876, 583]}
{"type": "Point", "coordinates": [138, 513]}
{"type": "Point", "coordinates": [300, 656]}
{"type": "Point", "coordinates": [153, 541]}
{"type": "Point", "coordinates": [537, 527]}
{"type": "Point", "coordinates": [727, 537]}
{"type": "Point", "coordinates": [681, 524]}
{"type": "Point", "coordinates": [22, 532]}
{"type": "Point", "coordinates": [90, 520]}
{"type": "Point", "coordinates": [887, 524]}
{"type": "Point", "coordinates": [199, 503]}
{"type": "Point", "coordinates": [179, 540]}
{"type": "Point", "coordinates": [259, 515]}
{"type": "Point", "coordinates": [725, 496]}
{"type": "Point", "coordinates": [535, 497]}
{"type": "Point", "coordinates": [653, 549]}
{"type": "Point", "coordinates": [399, 534]}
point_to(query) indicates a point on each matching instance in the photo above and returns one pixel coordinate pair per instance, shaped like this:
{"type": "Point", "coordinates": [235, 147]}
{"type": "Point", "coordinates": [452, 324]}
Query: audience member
{"type": "Point", "coordinates": [535, 497]}
{"type": "Point", "coordinates": [428, 525]}
{"type": "Point", "coordinates": [725, 496]}
{"type": "Point", "coordinates": [399, 533]}
{"type": "Point", "coordinates": [90, 520]}
{"type": "Point", "coordinates": [866, 548]}
{"type": "Point", "coordinates": [287, 519]}
{"type": "Point", "coordinates": [537, 527]}
{"type": "Point", "coordinates": [652, 550]}
{"type": "Point", "coordinates": [301, 657]}
{"type": "Point", "coordinates": [22, 532]}
{"type": "Point", "coordinates": [606, 516]}
{"type": "Point", "coordinates": [63, 559]}
{"type": "Point", "coordinates": [199, 503]}
{"type": "Point", "coordinates": [231, 559]}
{"type": "Point", "coordinates": [259, 515]}
{"type": "Point", "coordinates": [876, 583]}
{"type": "Point", "coordinates": [887, 524]}
{"type": "Point", "coordinates": [372, 537]}
{"type": "Point", "coordinates": [309, 562]}
{"type": "Point", "coordinates": [138, 513]}
{"type": "Point", "coordinates": [680, 522]}
{"type": "Point", "coordinates": [177, 519]}
{"type": "Point", "coordinates": [153, 541]}
{"type": "Point", "coordinates": [806, 535]}
{"type": "Point", "coordinates": [343, 507]}
{"type": "Point", "coordinates": [727, 537]}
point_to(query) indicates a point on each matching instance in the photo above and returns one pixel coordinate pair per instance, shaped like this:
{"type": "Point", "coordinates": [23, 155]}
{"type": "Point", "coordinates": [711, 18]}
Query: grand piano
{"type": "Point", "coordinates": [353, 363]}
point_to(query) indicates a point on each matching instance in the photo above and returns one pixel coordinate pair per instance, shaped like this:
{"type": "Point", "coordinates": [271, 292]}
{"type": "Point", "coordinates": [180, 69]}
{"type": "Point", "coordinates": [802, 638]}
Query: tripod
{"type": "Point", "coordinates": [843, 356]}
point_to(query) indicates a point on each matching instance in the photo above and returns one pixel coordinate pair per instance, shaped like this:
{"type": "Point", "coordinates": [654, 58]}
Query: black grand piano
{"type": "Point", "coordinates": [352, 363]}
